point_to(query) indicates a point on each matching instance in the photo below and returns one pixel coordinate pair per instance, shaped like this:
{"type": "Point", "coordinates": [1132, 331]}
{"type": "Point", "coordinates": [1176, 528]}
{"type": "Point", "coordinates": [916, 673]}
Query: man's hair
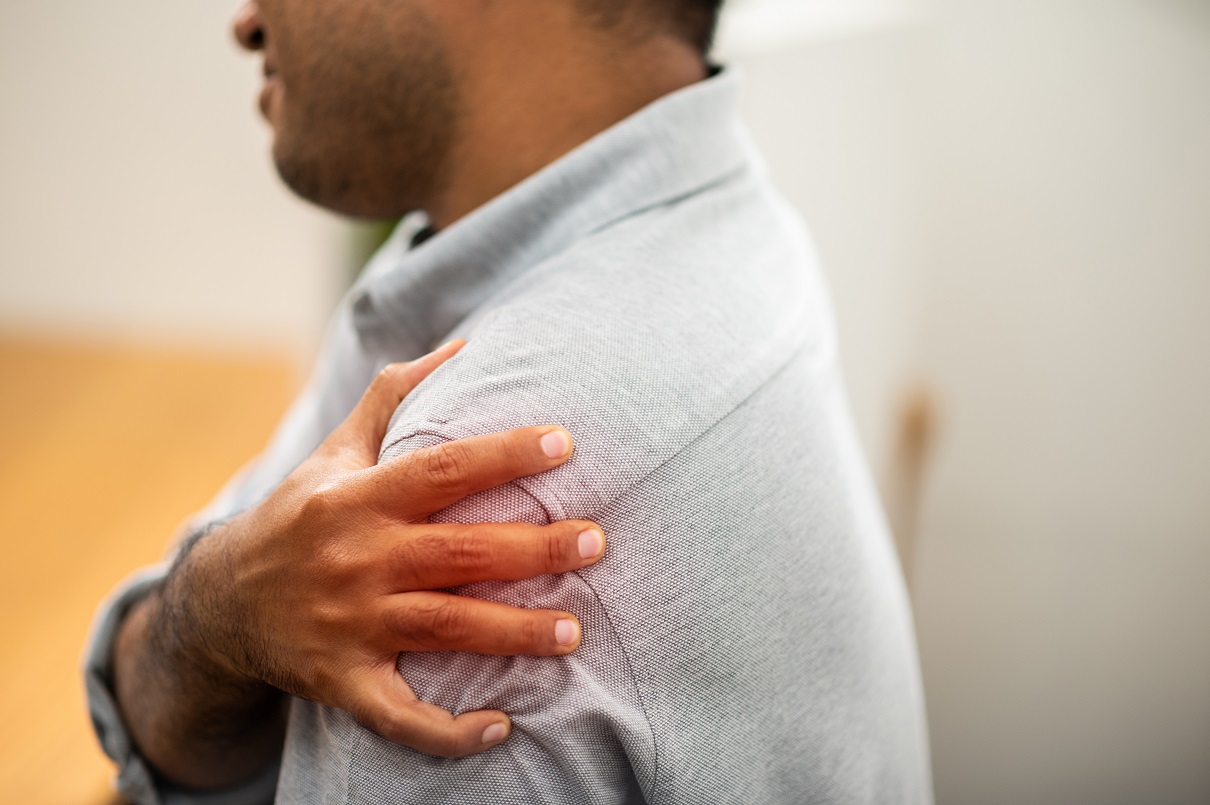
{"type": "Point", "coordinates": [693, 21]}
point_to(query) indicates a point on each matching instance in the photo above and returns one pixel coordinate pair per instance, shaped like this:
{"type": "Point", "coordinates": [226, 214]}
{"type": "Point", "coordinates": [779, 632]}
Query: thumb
{"type": "Point", "coordinates": [366, 426]}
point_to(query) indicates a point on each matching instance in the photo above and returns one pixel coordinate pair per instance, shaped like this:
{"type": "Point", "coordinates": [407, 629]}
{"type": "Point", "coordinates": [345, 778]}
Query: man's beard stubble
{"type": "Point", "coordinates": [378, 149]}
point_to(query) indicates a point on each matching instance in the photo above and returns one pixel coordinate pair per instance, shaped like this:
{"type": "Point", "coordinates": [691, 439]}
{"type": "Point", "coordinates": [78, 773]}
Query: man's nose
{"type": "Point", "coordinates": [249, 28]}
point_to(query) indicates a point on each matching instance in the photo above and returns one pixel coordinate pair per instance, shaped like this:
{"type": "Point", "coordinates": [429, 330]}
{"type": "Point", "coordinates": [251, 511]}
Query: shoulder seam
{"type": "Point", "coordinates": [704, 431]}
{"type": "Point", "coordinates": [617, 637]}
{"type": "Point", "coordinates": [655, 783]}
{"type": "Point", "coordinates": [596, 513]}
{"type": "Point", "coordinates": [634, 682]}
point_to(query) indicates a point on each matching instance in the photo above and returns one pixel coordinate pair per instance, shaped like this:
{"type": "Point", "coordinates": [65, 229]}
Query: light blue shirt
{"type": "Point", "coordinates": [746, 637]}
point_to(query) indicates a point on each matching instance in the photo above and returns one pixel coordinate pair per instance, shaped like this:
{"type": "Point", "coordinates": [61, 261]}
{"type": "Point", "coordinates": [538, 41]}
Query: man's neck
{"type": "Point", "coordinates": [527, 104]}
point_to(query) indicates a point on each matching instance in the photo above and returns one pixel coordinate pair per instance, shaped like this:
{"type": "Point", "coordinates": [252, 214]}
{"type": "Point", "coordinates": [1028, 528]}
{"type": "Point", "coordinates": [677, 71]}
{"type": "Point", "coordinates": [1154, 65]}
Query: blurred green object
{"type": "Point", "coordinates": [363, 239]}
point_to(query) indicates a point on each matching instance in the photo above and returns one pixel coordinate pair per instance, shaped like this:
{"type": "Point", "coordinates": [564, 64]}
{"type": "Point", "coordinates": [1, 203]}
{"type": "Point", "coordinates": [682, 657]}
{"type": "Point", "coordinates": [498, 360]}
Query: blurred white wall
{"type": "Point", "coordinates": [137, 200]}
{"type": "Point", "coordinates": [1013, 201]}
{"type": "Point", "coordinates": [1064, 587]}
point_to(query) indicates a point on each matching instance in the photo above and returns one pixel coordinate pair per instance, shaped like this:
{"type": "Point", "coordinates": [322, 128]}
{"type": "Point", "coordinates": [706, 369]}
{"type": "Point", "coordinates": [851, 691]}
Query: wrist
{"type": "Point", "coordinates": [194, 725]}
{"type": "Point", "coordinates": [197, 627]}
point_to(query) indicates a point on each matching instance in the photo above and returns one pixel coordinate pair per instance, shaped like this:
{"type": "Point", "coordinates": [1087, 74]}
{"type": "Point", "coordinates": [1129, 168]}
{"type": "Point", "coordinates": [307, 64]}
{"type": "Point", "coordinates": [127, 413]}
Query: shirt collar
{"type": "Point", "coordinates": [670, 149]}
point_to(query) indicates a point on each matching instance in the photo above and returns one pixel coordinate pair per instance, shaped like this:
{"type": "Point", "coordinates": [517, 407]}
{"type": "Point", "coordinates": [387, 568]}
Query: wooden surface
{"type": "Point", "coordinates": [103, 452]}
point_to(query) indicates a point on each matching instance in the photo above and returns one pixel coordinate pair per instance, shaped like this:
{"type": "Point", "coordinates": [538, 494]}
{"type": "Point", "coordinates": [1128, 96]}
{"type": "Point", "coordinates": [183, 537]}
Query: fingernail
{"type": "Point", "coordinates": [591, 543]}
{"type": "Point", "coordinates": [566, 632]}
{"type": "Point", "coordinates": [496, 732]}
{"type": "Point", "coordinates": [556, 444]}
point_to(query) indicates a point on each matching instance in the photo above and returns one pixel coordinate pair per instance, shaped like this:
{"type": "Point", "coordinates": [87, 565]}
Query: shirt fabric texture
{"type": "Point", "coordinates": [747, 637]}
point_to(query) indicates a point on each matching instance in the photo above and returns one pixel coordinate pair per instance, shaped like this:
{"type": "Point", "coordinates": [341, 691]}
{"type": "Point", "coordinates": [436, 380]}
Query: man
{"type": "Point", "coordinates": [595, 222]}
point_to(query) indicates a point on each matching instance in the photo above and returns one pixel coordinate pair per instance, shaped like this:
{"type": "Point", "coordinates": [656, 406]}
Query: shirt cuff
{"type": "Point", "coordinates": [135, 780]}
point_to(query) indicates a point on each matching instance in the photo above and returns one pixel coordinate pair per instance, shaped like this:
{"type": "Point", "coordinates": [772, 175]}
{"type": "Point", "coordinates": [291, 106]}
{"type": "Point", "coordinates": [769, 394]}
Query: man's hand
{"type": "Point", "coordinates": [318, 589]}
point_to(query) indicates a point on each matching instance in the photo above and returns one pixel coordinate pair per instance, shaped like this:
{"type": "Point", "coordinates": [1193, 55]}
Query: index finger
{"type": "Point", "coordinates": [434, 478]}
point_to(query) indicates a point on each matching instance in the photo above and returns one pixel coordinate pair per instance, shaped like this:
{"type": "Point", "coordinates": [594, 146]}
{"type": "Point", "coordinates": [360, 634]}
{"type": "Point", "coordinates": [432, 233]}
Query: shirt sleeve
{"type": "Point", "coordinates": [135, 780]}
{"type": "Point", "coordinates": [579, 731]}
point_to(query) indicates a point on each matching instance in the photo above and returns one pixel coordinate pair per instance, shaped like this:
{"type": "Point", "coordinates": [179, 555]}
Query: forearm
{"type": "Point", "coordinates": [197, 725]}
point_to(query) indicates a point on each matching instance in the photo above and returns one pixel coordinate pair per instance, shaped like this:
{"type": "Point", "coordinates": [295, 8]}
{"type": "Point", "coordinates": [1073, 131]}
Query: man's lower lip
{"type": "Point", "coordinates": [266, 93]}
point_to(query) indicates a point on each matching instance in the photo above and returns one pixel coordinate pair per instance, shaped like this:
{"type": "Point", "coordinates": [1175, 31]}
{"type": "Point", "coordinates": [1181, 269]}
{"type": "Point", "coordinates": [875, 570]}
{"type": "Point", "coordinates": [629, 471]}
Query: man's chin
{"type": "Point", "coordinates": [358, 184]}
{"type": "Point", "coordinates": [296, 174]}
{"type": "Point", "coordinates": [309, 182]}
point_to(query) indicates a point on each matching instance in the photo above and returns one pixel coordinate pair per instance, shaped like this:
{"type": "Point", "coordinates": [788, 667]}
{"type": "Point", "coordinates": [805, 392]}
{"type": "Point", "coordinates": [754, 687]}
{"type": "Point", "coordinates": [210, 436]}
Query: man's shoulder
{"type": "Point", "coordinates": [638, 339]}
{"type": "Point", "coordinates": [723, 283]}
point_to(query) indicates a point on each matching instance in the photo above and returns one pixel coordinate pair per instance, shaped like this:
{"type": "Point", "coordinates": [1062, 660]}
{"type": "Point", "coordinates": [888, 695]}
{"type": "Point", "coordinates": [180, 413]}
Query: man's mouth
{"type": "Point", "coordinates": [268, 89]}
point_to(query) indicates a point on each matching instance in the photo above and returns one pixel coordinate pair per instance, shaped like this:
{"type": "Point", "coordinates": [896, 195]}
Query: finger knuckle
{"type": "Point", "coordinates": [516, 447]}
{"type": "Point", "coordinates": [416, 558]}
{"type": "Point", "coordinates": [337, 528]}
{"type": "Point", "coordinates": [468, 551]}
{"type": "Point", "coordinates": [446, 744]}
{"type": "Point", "coordinates": [555, 550]}
{"type": "Point", "coordinates": [453, 748]}
{"type": "Point", "coordinates": [531, 635]}
{"type": "Point", "coordinates": [444, 465]}
{"type": "Point", "coordinates": [449, 622]}
{"type": "Point", "coordinates": [407, 560]}
{"type": "Point", "coordinates": [431, 625]}
{"type": "Point", "coordinates": [320, 502]}
{"type": "Point", "coordinates": [323, 498]}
